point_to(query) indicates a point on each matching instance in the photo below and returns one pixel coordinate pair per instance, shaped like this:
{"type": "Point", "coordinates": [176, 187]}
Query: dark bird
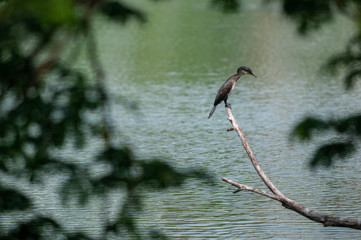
{"type": "Point", "coordinates": [228, 86]}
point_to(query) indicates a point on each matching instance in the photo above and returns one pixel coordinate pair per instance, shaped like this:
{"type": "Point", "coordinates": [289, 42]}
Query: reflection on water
{"type": "Point", "coordinates": [173, 66]}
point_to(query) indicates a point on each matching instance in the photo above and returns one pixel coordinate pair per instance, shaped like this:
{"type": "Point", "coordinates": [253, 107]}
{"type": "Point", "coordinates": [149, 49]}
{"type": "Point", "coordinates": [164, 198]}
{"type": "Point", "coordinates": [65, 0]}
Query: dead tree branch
{"type": "Point", "coordinates": [325, 219]}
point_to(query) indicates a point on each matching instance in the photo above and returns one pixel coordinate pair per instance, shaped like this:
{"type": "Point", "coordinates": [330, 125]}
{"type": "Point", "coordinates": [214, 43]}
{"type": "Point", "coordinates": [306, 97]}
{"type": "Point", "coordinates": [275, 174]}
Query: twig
{"type": "Point", "coordinates": [325, 219]}
{"type": "Point", "coordinates": [242, 187]}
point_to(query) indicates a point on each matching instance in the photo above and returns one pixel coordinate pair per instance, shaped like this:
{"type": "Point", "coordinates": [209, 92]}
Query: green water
{"type": "Point", "coordinates": [172, 67]}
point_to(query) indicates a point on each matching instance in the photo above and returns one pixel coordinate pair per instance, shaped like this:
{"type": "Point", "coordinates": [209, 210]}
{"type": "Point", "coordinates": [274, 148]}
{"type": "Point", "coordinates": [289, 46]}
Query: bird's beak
{"type": "Point", "coordinates": [252, 74]}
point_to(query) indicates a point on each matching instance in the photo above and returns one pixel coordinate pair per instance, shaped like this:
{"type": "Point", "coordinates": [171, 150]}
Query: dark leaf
{"type": "Point", "coordinates": [78, 236]}
{"type": "Point", "coordinates": [11, 199]}
{"type": "Point", "coordinates": [120, 12]}
{"type": "Point", "coordinates": [309, 14]}
{"type": "Point", "coordinates": [161, 175]}
{"type": "Point", "coordinates": [34, 229]}
{"type": "Point", "coordinates": [350, 125]}
{"type": "Point", "coordinates": [120, 159]}
{"type": "Point", "coordinates": [351, 77]}
{"type": "Point", "coordinates": [327, 153]}
{"type": "Point", "coordinates": [304, 129]}
{"type": "Point", "coordinates": [226, 5]}
{"type": "Point", "coordinates": [350, 59]}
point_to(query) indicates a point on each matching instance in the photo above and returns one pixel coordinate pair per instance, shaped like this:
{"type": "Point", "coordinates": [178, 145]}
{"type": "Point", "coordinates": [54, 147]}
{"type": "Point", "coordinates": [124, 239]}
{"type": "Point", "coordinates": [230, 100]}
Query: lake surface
{"type": "Point", "coordinates": [172, 67]}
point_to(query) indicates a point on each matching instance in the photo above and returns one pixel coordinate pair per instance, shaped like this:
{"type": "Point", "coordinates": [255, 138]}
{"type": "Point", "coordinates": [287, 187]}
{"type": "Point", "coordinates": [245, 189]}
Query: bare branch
{"type": "Point", "coordinates": [325, 219]}
{"type": "Point", "coordinates": [242, 187]}
{"type": "Point", "coordinates": [251, 155]}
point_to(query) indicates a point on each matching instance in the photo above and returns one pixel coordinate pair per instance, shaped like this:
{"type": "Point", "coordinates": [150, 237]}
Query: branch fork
{"type": "Point", "coordinates": [275, 194]}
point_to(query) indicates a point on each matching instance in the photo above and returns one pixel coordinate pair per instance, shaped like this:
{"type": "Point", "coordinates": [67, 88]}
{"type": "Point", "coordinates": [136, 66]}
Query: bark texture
{"type": "Point", "coordinates": [325, 219]}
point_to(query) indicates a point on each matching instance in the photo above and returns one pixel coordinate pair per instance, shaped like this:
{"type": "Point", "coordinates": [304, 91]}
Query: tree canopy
{"type": "Point", "coordinates": [47, 104]}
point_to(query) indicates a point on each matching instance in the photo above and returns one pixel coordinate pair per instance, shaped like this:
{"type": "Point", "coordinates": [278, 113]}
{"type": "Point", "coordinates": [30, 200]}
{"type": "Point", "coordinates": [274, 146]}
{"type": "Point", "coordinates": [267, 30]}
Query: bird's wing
{"type": "Point", "coordinates": [224, 91]}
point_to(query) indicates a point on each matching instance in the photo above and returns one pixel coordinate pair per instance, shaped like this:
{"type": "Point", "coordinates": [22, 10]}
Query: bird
{"type": "Point", "coordinates": [226, 89]}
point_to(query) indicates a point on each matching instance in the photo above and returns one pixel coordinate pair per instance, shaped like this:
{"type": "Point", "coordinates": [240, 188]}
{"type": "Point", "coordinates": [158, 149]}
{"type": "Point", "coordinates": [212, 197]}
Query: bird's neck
{"type": "Point", "coordinates": [237, 76]}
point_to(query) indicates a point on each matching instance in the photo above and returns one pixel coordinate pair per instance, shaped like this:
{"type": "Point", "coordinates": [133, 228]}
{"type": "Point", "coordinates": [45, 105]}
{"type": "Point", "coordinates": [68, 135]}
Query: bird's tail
{"type": "Point", "coordinates": [212, 111]}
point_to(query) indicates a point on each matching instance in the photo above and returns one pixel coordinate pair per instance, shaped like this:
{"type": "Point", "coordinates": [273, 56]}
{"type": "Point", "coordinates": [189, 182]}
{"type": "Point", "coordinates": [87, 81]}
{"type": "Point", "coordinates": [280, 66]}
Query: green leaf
{"type": "Point", "coordinates": [51, 12]}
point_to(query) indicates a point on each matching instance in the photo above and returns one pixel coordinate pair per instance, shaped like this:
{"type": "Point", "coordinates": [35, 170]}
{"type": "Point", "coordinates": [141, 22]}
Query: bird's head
{"type": "Point", "coordinates": [245, 70]}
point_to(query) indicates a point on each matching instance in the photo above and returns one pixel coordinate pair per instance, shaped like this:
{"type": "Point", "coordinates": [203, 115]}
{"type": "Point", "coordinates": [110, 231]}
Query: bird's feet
{"type": "Point", "coordinates": [228, 105]}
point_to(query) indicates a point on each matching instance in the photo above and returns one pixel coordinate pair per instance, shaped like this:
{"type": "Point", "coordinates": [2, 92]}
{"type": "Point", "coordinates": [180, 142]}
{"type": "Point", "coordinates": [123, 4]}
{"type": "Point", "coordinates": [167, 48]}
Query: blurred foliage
{"type": "Point", "coordinates": [226, 5]}
{"type": "Point", "coordinates": [309, 16]}
{"type": "Point", "coordinates": [117, 11]}
{"type": "Point", "coordinates": [348, 133]}
{"type": "Point", "coordinates": [350, 60]}
{"type": "Point", "coordinates": [46, 104]}
{"type": "Point", "coordinates": [12, 199]}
